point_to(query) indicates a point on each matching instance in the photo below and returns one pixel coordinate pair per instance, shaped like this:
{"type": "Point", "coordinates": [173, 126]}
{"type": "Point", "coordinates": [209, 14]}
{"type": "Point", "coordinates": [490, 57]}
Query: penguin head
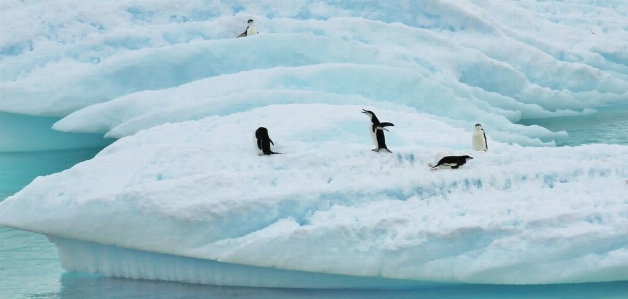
{"type": "Point", "coordinates": [369, 113]}
{"type": "Point", "coordinates": [250, 21]}
{"type": "Point", "coordinates": [467, 157]}
{"type": "Point", "coordinates": [478, 127]}
{"type": "Point", "coordinates": [261, 132]}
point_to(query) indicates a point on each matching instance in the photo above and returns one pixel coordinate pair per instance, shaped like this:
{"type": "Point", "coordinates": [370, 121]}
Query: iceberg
{"type": "Point", "coordinates": [329, 205]}
{"type": "Point", "coordinates": [182, 196]}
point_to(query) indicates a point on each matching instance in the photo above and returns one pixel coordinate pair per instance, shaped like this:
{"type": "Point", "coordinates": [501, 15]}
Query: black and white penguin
{"type": "Point", "coordinates": [452, 162]}
{"type": "Point", "coordinates": [250, 29]}
{"type": "Point", "coordinates": [377, 131]}
{"type": "Point", "coordinates": [478, 141]}
{"type": "Point", "coordinates": [263, 142]}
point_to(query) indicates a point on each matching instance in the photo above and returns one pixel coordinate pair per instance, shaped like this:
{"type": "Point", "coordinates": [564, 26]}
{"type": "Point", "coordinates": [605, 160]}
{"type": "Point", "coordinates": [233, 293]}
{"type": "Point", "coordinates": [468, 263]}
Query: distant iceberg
{"type": "Point", "coordinates": [182, 196]}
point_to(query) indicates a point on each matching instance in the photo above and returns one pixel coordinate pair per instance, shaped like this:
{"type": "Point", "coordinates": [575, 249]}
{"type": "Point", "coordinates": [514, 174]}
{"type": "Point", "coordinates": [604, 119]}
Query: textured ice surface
{"type": "Point", "coordinates": [467, 61]}
{"type": "Point", "coordinates": [183, 190]}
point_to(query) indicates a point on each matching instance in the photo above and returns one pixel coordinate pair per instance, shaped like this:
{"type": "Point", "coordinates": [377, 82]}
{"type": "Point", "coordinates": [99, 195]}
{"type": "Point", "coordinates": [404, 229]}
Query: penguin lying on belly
{"type": "Point", "coordinates": [377, 131]}
{"type": "Point", "coordinates": [263, 142]}
{"type": "Point", "coordinates": [452, 162]}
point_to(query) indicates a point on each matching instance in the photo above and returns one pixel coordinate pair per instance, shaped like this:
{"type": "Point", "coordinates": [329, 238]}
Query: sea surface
{"type": "Point", "coordinates": [608, 125]}
{"type": "Point", "coordinates": [30, 268]}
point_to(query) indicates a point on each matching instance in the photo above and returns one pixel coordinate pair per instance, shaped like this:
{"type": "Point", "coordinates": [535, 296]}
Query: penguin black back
{"type": "Point", "coordinates": [264, 142]}
{"type": "Point", "coordinates": [452, 162]}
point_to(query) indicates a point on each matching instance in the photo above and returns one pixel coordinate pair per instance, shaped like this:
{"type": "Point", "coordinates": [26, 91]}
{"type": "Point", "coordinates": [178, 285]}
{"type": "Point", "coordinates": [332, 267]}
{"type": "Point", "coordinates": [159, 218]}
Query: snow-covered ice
{"type": "Point", "coordinates": [183, 196]}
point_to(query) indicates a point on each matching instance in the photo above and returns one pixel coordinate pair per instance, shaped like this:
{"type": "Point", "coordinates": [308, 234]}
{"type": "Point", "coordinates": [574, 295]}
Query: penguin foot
{"type": "Point", "coordinates": [378, 149]}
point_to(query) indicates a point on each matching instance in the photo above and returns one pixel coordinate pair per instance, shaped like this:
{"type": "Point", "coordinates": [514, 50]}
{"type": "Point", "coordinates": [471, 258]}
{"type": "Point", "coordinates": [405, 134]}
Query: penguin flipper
{"type": "Point", "coordinates": [382, 126]}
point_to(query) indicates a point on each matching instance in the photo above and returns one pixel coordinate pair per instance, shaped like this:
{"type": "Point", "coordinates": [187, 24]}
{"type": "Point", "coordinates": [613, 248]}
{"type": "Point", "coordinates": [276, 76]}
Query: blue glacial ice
{"type": "Point", "coordinates": [182, 196]}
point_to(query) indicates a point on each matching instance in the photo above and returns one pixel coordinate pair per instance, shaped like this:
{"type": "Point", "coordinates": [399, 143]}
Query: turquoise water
{"type": "Point", "coordinates": [608, 125]}
{"type": "Point", "coordinates": [29, 265]}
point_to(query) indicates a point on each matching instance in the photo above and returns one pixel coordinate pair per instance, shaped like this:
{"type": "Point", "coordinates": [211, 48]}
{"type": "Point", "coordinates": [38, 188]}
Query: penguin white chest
{"type": "Point", "coordinates": [251, 30]}
{"type": "Point", "coordinates": [258, 146]}
{"type": "Point", "coordinates": [373, 136]}
{"type": "Point", "coordinates": [477, 141]}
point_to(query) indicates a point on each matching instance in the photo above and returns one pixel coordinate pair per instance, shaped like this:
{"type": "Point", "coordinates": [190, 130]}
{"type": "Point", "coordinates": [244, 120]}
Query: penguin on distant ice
{"type": "Point", "coordinates": [250, 30]}
{"type": "Point", "coordinates": [478, 141]}
{"type": "Point", "coordinates": [377, 131]}
{"type": "Point", "coordinates": [263, 142]}
{"type": "Point", "coordinates": [452, 162]}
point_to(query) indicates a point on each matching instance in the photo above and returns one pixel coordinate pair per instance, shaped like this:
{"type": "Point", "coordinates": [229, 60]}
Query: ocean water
{"type": "Point", "coordinates": [29, 265]}
{"type": "Point", "coordinates": [608, 125]}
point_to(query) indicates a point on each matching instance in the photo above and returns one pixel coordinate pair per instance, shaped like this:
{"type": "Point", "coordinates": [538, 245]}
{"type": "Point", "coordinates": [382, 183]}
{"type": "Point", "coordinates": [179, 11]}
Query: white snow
{"type": "Point", "coordinates": [183, 190]}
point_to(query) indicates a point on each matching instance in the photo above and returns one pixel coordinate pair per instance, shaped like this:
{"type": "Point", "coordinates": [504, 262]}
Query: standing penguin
{"type": "Point", "coordinates": [377, 131]}
{"type": "Point", "coordinates": [263, 142]}
{"type": "Point", "coordinates": [478, 141]}
{"type": "Point", "coordinates": [250, 29]}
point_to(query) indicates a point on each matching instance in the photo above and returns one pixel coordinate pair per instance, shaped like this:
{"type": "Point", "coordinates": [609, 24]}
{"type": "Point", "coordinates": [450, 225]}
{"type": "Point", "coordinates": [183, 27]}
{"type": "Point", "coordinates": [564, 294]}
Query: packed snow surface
{"type": "Point", "coordinates": [183, 196]}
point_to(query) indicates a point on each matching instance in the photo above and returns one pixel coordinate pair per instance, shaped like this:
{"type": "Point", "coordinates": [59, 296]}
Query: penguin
{"type": "Point", "coordinates": [452, 162]}
{"type": "Point", "coordinates": [478, 141]}
{"type": "Point", "coordinates": [377, 131]}
{"type": "Point", "coordinates": [250, 30]}
{"type": "Point", "coordinates": [264, 142]}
